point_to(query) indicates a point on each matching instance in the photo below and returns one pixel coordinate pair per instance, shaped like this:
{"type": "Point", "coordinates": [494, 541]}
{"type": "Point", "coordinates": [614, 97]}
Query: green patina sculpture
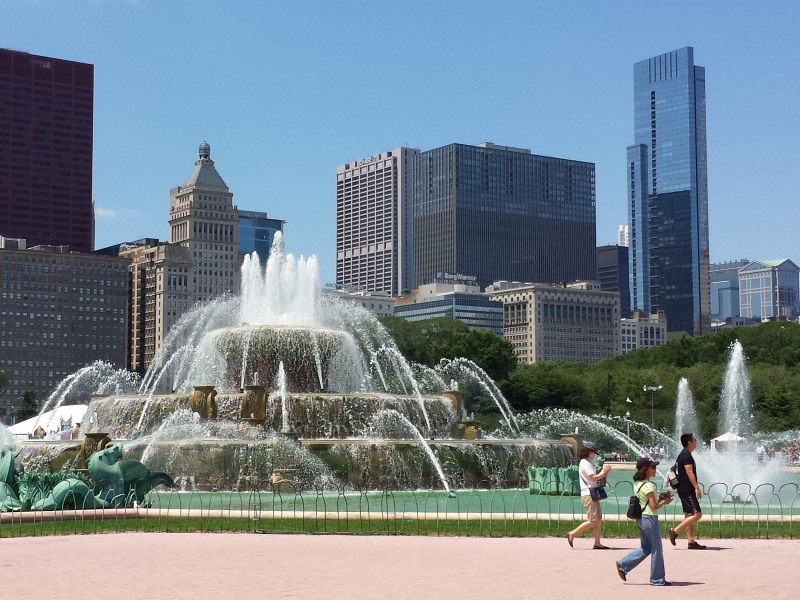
{"type": "Point", "coordinates": [115, 482]}
{"type": "Point", "coordinates": [122, 479]}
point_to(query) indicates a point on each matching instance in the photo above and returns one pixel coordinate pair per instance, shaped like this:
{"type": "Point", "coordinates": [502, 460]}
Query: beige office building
{"type": "Point", "coordinates": [203, 219]}
{"type": "Point", "coordinates": [577, 322]}
{"type": "Point", "coordinates": [643, 331]}
{"type": "Point", "coordinates": [373, 220]}
{"type": "Point", "coordinates": [160, 280]}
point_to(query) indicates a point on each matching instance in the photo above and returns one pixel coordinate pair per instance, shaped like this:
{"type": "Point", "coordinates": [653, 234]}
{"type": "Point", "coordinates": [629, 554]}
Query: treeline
{"type": "Point", "coordinates": [772, 351]}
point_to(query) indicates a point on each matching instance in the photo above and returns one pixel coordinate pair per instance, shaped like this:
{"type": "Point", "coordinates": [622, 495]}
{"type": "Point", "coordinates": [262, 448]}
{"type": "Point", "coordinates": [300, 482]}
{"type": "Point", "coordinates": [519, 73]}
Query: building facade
{"type": "Point", "coordinates": [458, 301]}
{"type": "Point", "coordinates": [612, 274]}
{"type": "Point", "coordinates": [203, 219]}
{"type": "Point", "coordinates": [379, 304]}
{"type": "Point", "coordinates": [59, 311]}
{"type": "Point", "coordinates": [373, 224]}
{"type": "Point", "coordinates": [643, 331]}
{"type": "Point", "coordinates": [160, 276]}
{"type": "Point", "coordinates": [668, 192]}
{"type": "Point", "coordinates": [768, 290]}
{"type": "Point", "coordinates": [725, 290]}
{"type": "Point", "coordinates": [498, 212]}
{"type": "Point", "coordinates": [256, 233]}
{"type": "Point", "coordinates": [46, 147]}
{"type": "Point", "coordinates": [577, 322]}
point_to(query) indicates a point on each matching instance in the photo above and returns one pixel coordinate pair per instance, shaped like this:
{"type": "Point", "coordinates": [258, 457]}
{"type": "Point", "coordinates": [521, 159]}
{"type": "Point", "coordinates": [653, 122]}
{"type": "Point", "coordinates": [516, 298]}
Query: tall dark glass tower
{"type": "Point", "coordinates": [668, 192]}
{"type": "Point", "coordinates": [46, 123]}
{"type": "Point", "coordinates": [496, 212]}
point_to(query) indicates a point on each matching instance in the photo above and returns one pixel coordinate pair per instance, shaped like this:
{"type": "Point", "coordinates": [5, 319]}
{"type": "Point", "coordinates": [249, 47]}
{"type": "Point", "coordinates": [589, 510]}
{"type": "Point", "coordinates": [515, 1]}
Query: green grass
{"type": "Point", "coordinates": [360, 526]}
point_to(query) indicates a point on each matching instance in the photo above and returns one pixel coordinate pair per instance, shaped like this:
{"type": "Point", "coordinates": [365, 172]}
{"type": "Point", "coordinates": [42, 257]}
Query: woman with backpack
{"type": "Point", "coordinates": [649, 533]}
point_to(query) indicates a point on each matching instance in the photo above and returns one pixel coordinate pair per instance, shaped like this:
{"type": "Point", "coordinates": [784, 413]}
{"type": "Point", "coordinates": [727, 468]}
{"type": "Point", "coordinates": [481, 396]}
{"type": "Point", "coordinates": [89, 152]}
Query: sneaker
{"type": "Point", "coordinates": [672, 536]}
{"type": "Point", "coordinates": [696, 546]}
{"type": "Point", "coordinates": [620, 572]}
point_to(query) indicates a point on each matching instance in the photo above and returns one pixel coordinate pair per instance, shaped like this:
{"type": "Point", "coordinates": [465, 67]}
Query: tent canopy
{"type": "Point", "coordinates": [50, 421]}
{"type": "Point", "coordinates": [729, 437]}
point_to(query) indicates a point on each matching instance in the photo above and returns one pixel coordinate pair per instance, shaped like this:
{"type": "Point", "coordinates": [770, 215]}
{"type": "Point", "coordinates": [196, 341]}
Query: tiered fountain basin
{"type": "Point", "coordinates": [254, 353]}
{"type": "Point", "coordinates": [345, 439]}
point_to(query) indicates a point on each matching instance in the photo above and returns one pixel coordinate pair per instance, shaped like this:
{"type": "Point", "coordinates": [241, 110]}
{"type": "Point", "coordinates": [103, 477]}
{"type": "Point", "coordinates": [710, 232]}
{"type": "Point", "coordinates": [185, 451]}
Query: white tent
{"type": "Point", "coordinates": [729, 437]}
{"type": "Point", "coordinates": [726, 439]}
{"type": "Point", "coordinates": [49, 421]}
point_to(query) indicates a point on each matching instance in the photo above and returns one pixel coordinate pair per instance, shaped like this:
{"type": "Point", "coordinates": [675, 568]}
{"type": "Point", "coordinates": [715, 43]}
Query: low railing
{"type": "Point", "coordinates": [766, 511]}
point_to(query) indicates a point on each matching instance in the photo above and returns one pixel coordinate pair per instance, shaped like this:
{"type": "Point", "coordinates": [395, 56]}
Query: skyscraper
{"type": "Point", "coordinates": [612, 274]}
{"type": "Point", "coordinates": [668, 192]}
{"type": "Point", "coordinates": [373, 235]}
{"type": "Point", "coordinates": [203, 219]}
{"type": "Point", "coordinates": [256, 233]}
{"type": "Point", "coordinates": [46, 137]}
{"type": "Point", "coordinates": [496, 212]}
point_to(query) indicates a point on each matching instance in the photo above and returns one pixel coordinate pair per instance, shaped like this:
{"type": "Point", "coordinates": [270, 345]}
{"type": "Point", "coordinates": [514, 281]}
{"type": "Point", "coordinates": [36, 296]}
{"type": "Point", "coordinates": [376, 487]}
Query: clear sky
{"type": "Point", "coordinates": [286, 91]}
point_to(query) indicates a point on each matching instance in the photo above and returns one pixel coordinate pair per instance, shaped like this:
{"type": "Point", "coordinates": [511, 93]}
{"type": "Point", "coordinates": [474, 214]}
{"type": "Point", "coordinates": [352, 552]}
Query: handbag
{"type": "Point", "coordinates": [596, 493]}
{"type": "Point", "coordinates": [635, 509]}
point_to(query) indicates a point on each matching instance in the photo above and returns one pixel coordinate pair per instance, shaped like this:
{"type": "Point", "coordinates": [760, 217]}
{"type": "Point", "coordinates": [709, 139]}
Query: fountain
{"type": "Point", "coordinates": [331, 400]}
{"type": "Point", "coordinates": [685, 414]}
{"type": "Point", "coordinates": [735, 462]}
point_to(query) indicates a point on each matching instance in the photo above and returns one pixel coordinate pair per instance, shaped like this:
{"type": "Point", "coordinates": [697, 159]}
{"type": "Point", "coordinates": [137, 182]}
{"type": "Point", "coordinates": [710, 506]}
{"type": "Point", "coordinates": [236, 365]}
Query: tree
{"type": "Point", "coordinates": [28, 408]}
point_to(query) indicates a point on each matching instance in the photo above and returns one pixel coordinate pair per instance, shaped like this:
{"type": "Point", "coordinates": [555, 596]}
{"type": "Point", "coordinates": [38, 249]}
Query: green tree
{"type": "Point", "coordinates": [427, 342]}
{"type": "Point", "coordinates": [28, 408]}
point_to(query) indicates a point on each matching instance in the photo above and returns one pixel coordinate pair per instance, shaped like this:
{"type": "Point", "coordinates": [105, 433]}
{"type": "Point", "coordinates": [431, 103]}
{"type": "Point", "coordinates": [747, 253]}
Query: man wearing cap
{"type": "Point", "coordinates": [589, 478]}
{"type": "Point", "coordinates": [689, 492]}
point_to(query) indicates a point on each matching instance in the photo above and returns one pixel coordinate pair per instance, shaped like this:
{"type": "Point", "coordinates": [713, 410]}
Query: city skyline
{"type": "Point", "coordinates": [274, 87]}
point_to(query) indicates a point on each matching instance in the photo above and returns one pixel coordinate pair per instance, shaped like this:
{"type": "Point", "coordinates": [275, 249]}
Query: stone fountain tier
{"type": "Point", "coordinates": [241, 464]}
{"type": "Point", "coordinates": [254, 354]}
{"type": "Point", "coordinates": [309, 415]}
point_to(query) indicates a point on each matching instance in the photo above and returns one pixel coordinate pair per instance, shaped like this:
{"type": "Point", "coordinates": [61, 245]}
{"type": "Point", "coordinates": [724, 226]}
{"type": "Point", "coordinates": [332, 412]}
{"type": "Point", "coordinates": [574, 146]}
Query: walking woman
{"type": "Point", "coordinates": [649, 533]}
{"type": "Point", "coordinates": [590, 479]}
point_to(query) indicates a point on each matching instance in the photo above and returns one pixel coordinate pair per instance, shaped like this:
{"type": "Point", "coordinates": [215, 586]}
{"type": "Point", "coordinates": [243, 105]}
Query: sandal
{"type": "Point", "coordinates": [569, 539]}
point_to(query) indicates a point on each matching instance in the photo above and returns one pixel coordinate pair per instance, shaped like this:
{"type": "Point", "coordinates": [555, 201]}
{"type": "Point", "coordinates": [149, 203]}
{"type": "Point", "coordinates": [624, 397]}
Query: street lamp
{"type": "Point", "coordinates": [628, 421]}
{"type": "Point", "coordinates": [652, 389]}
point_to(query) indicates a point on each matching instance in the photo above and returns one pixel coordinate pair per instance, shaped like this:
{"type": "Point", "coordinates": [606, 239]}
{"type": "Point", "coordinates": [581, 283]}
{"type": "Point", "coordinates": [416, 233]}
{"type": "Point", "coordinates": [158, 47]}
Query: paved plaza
{"type": "Point", "coordinates": [198, 566]}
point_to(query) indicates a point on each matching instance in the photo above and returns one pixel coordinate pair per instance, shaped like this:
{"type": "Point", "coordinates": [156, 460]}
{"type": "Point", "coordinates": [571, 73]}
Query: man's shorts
{"type": "Point", "coordinates": [691, 506]}
{"type": "Point", "coordinates": [593, 510]}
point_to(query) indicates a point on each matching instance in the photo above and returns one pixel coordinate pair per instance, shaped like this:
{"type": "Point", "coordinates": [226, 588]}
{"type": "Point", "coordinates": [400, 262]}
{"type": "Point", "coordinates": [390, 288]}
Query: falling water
{"type": "Point", "coordinates": [176, 356]}
{"type": "Point", "coordinates": [406, 373]}
{"type": "Point", "coordinates": [284, 403]}
{"type": "Point", "coordinates": [465, 367]}
{"type": "Point", "coordinates": [388, 414]}
{"type": "Point", "coordinates": [247, 337]}
{"type": "Point", "coordinates": [736, 403]}
{"type": "Point", "coordinates": [97, 378]}
{"type": "Point", "coordinates": [317, 359]}
{"type": "Point", "coordinates": [685, 415]}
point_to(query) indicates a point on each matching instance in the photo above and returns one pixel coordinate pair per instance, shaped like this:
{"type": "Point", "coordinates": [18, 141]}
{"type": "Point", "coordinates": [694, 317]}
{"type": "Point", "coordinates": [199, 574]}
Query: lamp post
{"type": "Point", "coordinates": [652, 389]}
{"type": "Point", "coordinates": [628, 422]}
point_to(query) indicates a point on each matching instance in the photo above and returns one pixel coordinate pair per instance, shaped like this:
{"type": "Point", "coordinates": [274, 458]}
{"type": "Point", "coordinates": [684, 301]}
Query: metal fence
{"type": "Point", "coordinates": [766, 511]}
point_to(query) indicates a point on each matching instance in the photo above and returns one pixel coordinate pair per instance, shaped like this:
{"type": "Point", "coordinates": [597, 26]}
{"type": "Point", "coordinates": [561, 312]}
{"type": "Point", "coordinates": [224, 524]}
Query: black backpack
{"type": "Point", "coordinates": [635, 506]}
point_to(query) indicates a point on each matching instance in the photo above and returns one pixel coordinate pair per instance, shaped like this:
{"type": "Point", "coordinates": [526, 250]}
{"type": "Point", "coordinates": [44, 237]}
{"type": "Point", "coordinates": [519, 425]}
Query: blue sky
{"type": "Point", "coordinates": [286, 91]}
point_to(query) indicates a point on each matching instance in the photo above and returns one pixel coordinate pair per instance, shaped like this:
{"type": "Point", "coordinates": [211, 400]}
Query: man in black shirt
{"type": "Point", "coordinates": [689, 493]}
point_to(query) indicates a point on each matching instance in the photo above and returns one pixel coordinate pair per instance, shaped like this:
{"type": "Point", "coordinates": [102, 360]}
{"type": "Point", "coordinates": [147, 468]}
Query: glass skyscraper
{"type": "Point", "coordinates": [668, 192]}
{"type": "Point", "coordinates": [501, 213]}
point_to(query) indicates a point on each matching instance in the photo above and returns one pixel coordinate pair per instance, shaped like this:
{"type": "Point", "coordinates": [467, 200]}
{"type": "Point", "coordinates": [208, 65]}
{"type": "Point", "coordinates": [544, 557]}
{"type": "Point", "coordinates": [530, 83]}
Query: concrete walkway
{"type": "Point", "coordinates": [241, 566]}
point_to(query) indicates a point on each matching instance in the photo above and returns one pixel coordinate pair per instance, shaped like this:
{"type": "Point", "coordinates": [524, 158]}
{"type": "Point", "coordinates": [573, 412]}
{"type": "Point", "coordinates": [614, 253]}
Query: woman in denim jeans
{"type": "Point", "coordinates": [649, 533]}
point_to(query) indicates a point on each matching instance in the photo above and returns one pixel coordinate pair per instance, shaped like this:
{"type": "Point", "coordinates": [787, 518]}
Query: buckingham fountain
{"type": "Point", "coordinates": [284, 384]}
